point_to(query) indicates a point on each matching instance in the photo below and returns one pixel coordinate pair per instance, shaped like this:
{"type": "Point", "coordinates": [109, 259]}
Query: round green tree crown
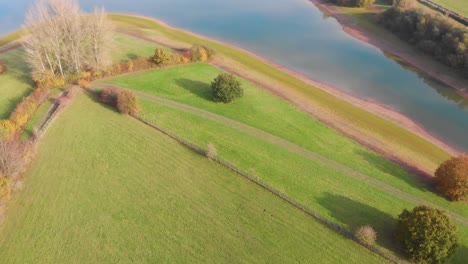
{"type": "Point", "coordinates": [226, 88]}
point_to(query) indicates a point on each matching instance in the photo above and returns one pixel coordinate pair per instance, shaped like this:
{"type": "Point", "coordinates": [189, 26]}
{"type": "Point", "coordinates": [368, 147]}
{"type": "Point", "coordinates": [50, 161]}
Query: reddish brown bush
{"type": "Point", "coordinates": [366, 235]}
{"type": "Point", "coordinates": [451, 178]}
{"type": "Point", "coordinates": [109, 95]}
{"type": "Point", "coordinates": [127, 103]}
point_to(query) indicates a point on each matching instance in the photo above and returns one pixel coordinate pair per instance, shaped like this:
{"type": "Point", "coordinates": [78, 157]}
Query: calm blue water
{"type": "Point", "coordinates": [296, 34]}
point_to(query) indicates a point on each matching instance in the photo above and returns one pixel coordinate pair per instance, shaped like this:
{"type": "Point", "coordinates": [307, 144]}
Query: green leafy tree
{"type": "Point", "coordinates": [451, 178]}
{"type": "Point", "coordinates": [427, 235]}
{"type": "Point", "coordinates": [161, 57]}
{"type": "Point", "coordinates": [226, 88]}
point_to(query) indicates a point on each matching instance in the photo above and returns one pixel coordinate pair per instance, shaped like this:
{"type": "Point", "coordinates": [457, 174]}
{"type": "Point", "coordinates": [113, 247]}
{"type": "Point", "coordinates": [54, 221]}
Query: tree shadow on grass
{"type": "Point", "coordinates": [198, 88]}
{"type": "Point", "coordinates": [460, 256]}
{"type": "Point", "coordinates": [353, 214]}
{"type": "Point", "coordinates": [132, 56]}
{"type": "Point", "coordinates": [406, 172]}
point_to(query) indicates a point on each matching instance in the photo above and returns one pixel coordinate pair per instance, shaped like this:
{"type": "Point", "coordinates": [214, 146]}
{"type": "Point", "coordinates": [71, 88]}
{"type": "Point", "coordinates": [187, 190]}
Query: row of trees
{"type": "Point", "coordinates": [353, 3]}
{"type": "Point", "coordinates": [62, 40]}
{"type": "Point", "coordinates": [431, 32]}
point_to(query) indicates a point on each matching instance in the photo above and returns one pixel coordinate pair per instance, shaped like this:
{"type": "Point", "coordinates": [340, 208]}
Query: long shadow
{"type": "Point", "coordinates": [132, 56]}
{"type": "Point", "coordinates": [353, 214]}
{"type": "Point", "coordinates": [460, 256]}
{"type": "Point", "coordinates": [200, 89]}
{"type": "Point", "coordinates": [408, 173]}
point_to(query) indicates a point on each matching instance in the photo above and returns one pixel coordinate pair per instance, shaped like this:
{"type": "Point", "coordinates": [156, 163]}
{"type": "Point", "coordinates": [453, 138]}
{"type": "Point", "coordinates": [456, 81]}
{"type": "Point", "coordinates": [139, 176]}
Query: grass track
{"type": "Point", "coordinates": [106, 188]}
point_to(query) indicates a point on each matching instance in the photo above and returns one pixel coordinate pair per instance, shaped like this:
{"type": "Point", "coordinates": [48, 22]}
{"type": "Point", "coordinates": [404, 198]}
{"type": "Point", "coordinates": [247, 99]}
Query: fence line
{"type": "Point", "coordinates": [343, 231]}
{"type": "Point", "coordinates": [445, 11]}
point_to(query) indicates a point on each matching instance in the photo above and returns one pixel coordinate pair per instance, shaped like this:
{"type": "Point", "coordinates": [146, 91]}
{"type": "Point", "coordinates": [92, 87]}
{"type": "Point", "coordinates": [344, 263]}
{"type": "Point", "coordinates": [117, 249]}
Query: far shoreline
{"type": "Point", "coordinates": [361, 34]}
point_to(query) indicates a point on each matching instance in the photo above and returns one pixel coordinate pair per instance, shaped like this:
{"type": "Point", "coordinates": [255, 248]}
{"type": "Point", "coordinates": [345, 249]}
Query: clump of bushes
{"type": "Point", "coordinates": [366, 234]}
{"type": "Point", "coordinates": [226, 88]}
{"type": "Point", "coordinates": [23, 112]}
{"type": "Point", "coordinates": [161, 57]}
{"type": "Point", "coordinates": [431, 32]}
{"type": "Point", "coordinates": [109, 95]}
{"type": "Point", "coordinates": [199, 52]}
{"type": "Point", "coordinates": [12, 158]}
{"type": "Point", "coordinates": [127, 103]}
{"type": "Point", "coordinates": [451, 178]}
{"type": "Point", "coordinates": [353, 3]}
{"type": "Point", "coordinates": [427, 235]}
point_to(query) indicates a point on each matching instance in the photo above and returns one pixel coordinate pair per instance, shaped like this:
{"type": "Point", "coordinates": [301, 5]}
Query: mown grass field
{"type": "Point", "coordinates": [342, 200]}
{"type": "Point", "coordinates": [345, 201]}
{"type": "Point", "coordinates": [105, 188]}
{"type": "Point", "coordinates": [410, 145]}
{"type": "Point", "coordinates": [190, 84]}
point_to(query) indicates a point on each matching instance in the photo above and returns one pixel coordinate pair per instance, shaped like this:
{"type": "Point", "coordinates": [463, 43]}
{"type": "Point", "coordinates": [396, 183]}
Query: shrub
{"type": "Point", "coordinates": [211, 151]}
{"type": "Point", "coordinates": [366, 235]}
{"type": "Point", "coordinates": [127, 103]}
{"type": "Point", "coordinates": [161, 57]}
{"type": "Point", "coordinates": [7, 129]}
{"type": "Point", "coordinates": [427, 234]}
{"type": "Point", "coordinates": [3, 68]}
{"type": "Point", "coordinates": [85, 84]}
{"type": "Point", "coordinates": [226, 88]}
{"type": "Point", "coordinates": [12, 158]}
{"type": "Point", "coordinates": [109, 95]}
{"type": "Point", "coordinates": [200, 52]}
{"type": "Point", "coordinates": [451, 178]}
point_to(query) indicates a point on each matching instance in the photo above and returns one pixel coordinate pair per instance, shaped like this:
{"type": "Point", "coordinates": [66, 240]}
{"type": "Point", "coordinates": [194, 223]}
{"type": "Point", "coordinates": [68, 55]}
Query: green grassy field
{"type": "Point", "coordinates": [15, 83]}
{"type": "Point", "coordinates": [335, 196]}
{"type": "Point", "coordinates": [458, 6]}
{"type": "Point", "coordinates": [127, 48]}
{"type": "Point", "coordinates": [190, 84]}
{"type": "Point", "coordinates": [105, 188]}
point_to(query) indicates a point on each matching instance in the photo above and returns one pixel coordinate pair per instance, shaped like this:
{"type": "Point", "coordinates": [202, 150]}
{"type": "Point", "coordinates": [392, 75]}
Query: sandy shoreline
{"type": "Point", "coordinates": [458, 84]}
{"type": "Point", "coordinates": [370, 106]}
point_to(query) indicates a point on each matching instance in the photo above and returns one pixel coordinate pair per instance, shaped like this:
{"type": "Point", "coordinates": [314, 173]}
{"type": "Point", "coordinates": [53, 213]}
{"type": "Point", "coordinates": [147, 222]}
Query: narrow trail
{"type": "Point", "coordinates": [9, 47]}
{"type": "Point", "coordinates": [301, 151]}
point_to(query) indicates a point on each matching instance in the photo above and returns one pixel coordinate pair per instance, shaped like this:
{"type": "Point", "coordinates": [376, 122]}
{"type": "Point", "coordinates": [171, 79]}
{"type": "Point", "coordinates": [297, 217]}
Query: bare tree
{"type": "Point", "coordinates": [62, 40]}
{"type": "Point", "coordinates": [99, 31]}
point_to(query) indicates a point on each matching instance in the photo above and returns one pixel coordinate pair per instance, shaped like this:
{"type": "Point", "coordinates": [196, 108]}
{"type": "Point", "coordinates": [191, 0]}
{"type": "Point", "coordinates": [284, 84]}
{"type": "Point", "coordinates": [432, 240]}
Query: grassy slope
{"type": "Point", "coordinates": [458, 6]}
{"type": "Point", "coordinates": [409, 144]}
{"type": "Point", "coordinates": [8, 39]}
{"type": "Point", "coordinates": [335, 196]}
{"type": "Point", "coordinates": [130, 48]}
{"type": "Point", "coordinates": [15, 83]}
{"type": "Point", "coordinates": [190, 84]}
{"type": "Point", "coordinates": [106, 188]}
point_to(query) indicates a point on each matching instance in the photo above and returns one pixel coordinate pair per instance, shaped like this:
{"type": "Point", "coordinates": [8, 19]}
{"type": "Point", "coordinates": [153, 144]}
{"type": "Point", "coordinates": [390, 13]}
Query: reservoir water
{"type": "Point", "coordinates": [296, 34]}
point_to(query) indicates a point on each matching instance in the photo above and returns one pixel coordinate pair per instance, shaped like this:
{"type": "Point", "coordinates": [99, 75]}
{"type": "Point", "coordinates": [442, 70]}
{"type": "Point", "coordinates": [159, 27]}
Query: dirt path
{"type": "Point", "coordinates": [301, 151]}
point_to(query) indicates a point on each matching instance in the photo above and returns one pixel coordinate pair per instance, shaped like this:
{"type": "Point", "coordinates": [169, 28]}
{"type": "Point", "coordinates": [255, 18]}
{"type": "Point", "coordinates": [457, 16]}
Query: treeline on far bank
{"type": "Point", "coordinates": [431, 32]}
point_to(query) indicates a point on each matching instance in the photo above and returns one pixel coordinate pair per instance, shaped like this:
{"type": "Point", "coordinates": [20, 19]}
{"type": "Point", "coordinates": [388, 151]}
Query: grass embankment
{"type": "Point", "coordinates": [338, 197]}
{"type": "Point", "coordinates": [405, 144]}
{"type": "Point", "coordinates": [106, 188]}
